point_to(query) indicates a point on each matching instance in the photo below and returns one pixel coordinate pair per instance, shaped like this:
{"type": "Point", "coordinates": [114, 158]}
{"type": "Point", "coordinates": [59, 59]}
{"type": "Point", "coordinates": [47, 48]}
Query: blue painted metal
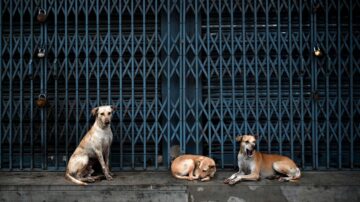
{"type": "Point", "coordinates": [189, 73]}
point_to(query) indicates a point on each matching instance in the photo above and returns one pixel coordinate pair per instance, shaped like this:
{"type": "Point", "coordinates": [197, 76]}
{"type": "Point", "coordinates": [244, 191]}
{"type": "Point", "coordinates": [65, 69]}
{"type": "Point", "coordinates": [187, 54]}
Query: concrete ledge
{"type": "Point", "coordinates": [161, 186]}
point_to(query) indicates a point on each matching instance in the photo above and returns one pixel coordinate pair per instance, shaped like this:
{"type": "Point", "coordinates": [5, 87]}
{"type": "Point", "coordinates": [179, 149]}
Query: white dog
{"type": "Point", "coordinates": [94, 147]}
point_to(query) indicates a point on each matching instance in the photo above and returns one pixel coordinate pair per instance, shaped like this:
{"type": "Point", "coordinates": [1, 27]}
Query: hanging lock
{"type": "Point", "coordinates": [41, 52]}
{"type": "Point", "coordinates": [42, 15]}
{"type": "Point", "coordinates": [317, 51]}
{"type": "Point", "coordinates": [41, 101]}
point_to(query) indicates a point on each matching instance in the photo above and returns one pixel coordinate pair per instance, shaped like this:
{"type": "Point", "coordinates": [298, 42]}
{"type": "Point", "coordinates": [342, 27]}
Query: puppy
{"type": "Point", "coordinates": [93, 148]}
{"type": "Point", "coordinates": [192, 167]}
{"type": "Point", "coordinates": [253, 164]}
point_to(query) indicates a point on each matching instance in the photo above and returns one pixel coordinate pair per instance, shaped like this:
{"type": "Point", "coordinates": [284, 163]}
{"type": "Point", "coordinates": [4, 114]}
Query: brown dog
{"type": "Point", "coordinates": [253, 164]}
{"type": "Point", "coordinates": [192, 167]}
{"type": "Point", "coordinates": [94, 147]}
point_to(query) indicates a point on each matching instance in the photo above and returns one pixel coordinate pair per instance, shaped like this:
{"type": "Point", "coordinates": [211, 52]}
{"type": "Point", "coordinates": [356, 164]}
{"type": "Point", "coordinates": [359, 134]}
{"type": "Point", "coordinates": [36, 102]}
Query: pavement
{"type": "Point", "coordinates": [162, 186]}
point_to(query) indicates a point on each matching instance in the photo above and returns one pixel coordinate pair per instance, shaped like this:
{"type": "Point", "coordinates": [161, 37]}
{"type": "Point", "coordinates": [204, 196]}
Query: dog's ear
{"type": "Point", "coordinates": [94, 111]}
{"type": "Point", "coordinates": [238, 138]}
{"type": "Point", "coordinates": [113, 108]}
{"type": "Point", "coordinates": [199, 162]}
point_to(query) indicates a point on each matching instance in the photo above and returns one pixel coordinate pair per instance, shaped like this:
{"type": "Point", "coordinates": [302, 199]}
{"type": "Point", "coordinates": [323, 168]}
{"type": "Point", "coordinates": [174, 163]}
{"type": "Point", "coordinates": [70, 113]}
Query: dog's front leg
{"type": "Point", "coordinates": [252, 177]}
{"type": "Point", "coordinates": [104, 168]}
{"type": "Point", "coordinates": [233, 176]}
{"type": "Point", "coordinates": [107, 161]}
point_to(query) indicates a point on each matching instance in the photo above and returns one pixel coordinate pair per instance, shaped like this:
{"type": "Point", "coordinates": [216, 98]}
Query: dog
{"type": "Point", "coordinates": [93, 148]}
{"type": "Point", "coordinates": [192, 167]}
{"type": "Point", "coordinates": [254, 165]}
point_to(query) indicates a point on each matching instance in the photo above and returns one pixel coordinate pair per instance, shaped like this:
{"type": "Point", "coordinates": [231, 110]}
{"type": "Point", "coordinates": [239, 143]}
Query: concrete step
{"type": "Point", "coordinates": [161, 186]}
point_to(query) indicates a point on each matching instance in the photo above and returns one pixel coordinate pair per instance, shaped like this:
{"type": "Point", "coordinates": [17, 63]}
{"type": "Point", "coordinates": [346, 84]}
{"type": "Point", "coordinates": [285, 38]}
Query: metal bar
{"type": "Point", "coordinates": [197, 121]}
{"type": "Point", "coordinates": [279, 135]}
{"type": "Point", "coordinates": [234, 155]}
{"type": "Point", "coordinates": [268, 78]}
{"type": "Point", "coordinates": [209, 76]}
{"type": "Point", "coordinates": [56, 97]}
{"type": "Point", "coordinates": [98, 101]}
{"type": "Point", "coordinates": [256, 70]}
{"type": "Point", "coordinates": [1, 89]}
{"type": "Point", "coordinates": [351, 87]}
{"type": "Point", "coordinates": [32, 160]}
{"type": "Point", "coordinates": [44, 112]}
{"type": "Point", "coordinates": [302, 87]}
{"type": "Point", "coordinates": [339, 82]}
{"type": "Point", "coordinates": [11, 87]}
{"type": "Point", "coordinates": [182, 78]}
{"type": "Point", "coordinates": [66, 86]}
{"type": "Point", "coordinates": [291, 83]}
{"type": "Point", "coordinates": [144, 82]}
{"type": "Point", "coordinates": [156, 87]}
{"type": "Point", "coordinates": [221, 90]}
{"type": "Point", "coordinates": [87, 86]}
{"type": "Point", "coordinates": [120, 85]}
{"type": "Point", "coordinates": [21, 85]}
{"type": "Point", "coordinates": [56, 86]}
{"type": "Point", "coordinates": [244, 67]}
{"type": "Point", "coordinates": [168, 82]}
{"type": "Point", "coordinates": [42, 118]}
{"type": "Point", "coordinates": [327, 87]}
{"type": "Point", "coordinates": [77, 100]}
{"type": "Point", "coordinates": [109, 97]}
{"type": "Point", "coordinates": [315, 103]}
{"type": "Point", "coordinates": [132, 87]}
{"type": "Point", "coordinates": [313, 76]}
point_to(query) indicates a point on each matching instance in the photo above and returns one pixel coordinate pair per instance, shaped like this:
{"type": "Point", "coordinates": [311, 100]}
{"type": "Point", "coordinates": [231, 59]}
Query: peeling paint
{"type": "Point", "coordinates": [253, 188]}
{"type": "Point", "coordinates": [235, 199]}
{"type": "Point", "coordinates": [200, 189]}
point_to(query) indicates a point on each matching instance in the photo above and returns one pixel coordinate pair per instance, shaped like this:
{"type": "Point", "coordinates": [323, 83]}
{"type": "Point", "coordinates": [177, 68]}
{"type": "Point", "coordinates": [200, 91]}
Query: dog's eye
{"type": "Point", "coordinates": [204, 170]}
{"type": "Point", "coordinates": [102, 114]}
{"type": "Point", "coordinates": [109, 113]}
{"type": "Point", "coordinates": [247, 142]}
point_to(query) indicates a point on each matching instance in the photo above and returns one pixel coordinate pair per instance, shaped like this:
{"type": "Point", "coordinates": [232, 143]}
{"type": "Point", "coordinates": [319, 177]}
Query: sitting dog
{"type": "Point", "coordinates": [253, 164]}
{"type": "Point", "coordinates": [192, 167]}
{"type": "Point", "coordinates": [93, 148]}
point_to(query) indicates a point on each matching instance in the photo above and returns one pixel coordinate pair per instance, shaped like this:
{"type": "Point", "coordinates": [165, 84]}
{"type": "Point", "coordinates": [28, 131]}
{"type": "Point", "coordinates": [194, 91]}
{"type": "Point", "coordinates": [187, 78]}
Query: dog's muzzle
{"type": "Point", "coordinates": [107, 122]}
{"type": "Point", "coordinates": [249, 153]}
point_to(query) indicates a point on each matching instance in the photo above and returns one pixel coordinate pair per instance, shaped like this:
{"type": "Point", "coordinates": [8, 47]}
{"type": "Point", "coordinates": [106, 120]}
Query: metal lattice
{"type": "Point", "coordinates": [192, 73]}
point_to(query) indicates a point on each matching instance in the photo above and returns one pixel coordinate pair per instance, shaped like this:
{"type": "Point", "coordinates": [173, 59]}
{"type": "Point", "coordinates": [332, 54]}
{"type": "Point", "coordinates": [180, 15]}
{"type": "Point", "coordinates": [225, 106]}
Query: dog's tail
{"type": "Point", "coordinates": [74, 180]}
{"type": "Point", "coordinates": [185, 177]}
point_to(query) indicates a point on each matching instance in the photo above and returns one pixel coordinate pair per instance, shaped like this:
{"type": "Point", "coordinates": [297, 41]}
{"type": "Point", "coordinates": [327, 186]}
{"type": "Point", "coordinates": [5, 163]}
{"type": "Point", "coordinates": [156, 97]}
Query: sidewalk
{"type": "Point", "coordinates": [161, 186]}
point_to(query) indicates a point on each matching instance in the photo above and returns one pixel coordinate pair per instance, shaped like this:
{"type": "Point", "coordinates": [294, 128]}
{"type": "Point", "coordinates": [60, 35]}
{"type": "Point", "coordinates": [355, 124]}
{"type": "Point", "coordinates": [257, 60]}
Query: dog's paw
{"type": "Point", "coordinates": [90, 180]}
{"type": "Point", "coordinates": [226, 181]}
{"type": "Point", "coordinates": [232, 182]}
{"type": "Point", "coordinates": [282, 179]}
{"type": "Point", "coordinates": [108, 177]}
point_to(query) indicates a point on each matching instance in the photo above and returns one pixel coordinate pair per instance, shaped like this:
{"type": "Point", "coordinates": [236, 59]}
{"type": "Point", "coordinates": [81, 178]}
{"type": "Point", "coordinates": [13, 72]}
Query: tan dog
{"type": "Point", "coordinates": [94, 147]}
{"type": "Point", "coordinates": [192, 167]}
{"type": "Point", "coordinates": [253, 164]}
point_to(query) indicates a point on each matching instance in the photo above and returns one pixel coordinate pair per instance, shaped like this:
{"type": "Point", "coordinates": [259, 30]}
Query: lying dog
{"type": "Point", "coordinates": [192, 167]}
{"type": "Point", "coordinates": [253, 164]}
{"type": "Point", "coordinates": [93, 148]}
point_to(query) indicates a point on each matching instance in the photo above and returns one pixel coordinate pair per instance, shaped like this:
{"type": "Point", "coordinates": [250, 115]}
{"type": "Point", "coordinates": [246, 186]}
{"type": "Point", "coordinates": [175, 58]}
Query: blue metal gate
{"type": "Point", "coordinates": [192, 73]}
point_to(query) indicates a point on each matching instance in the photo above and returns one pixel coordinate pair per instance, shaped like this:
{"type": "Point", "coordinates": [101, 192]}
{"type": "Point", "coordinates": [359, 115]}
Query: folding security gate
{"type": "Point", "coordinates": [188, 73]}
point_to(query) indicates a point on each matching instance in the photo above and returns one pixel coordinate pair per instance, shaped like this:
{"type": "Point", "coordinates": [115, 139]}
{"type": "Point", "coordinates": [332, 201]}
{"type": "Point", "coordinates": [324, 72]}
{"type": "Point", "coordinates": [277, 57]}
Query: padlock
{"type": "Point", "coordinates": [42, 15]}
{"type": "Point", "coordinates": [41, 101]}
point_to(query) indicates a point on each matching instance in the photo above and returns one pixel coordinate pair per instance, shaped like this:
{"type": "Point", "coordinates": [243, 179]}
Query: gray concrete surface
{"type": "Point", "coordinates": [161, 186]}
